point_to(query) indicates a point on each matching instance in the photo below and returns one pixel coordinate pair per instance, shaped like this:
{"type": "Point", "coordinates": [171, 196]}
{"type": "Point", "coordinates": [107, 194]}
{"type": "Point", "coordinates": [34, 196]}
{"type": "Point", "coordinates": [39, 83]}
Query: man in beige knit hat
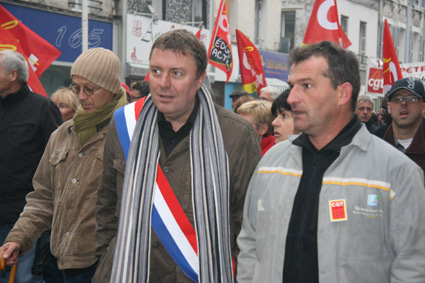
{"type": "Point", "coordinates": [66, 180]}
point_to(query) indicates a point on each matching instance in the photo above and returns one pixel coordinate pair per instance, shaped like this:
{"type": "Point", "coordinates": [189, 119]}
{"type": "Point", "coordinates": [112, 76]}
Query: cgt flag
{"type": "Point", "coordinates": [220, 50]}
{"type": "Point", "coordinates": [251, 66]}
{"type": "Point", "coordinates": [8, 42]}
{"type": "Point", "coordinates": [40, 54]}
{"type": "Point", "coordinates": [391, 68]}
{"type": "Point", "coordinates": [324, 24]}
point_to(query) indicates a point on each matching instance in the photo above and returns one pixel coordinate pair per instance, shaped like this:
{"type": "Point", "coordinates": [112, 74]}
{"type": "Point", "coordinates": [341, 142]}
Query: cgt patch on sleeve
{"type": "Point", "coordinates": [338, 210]}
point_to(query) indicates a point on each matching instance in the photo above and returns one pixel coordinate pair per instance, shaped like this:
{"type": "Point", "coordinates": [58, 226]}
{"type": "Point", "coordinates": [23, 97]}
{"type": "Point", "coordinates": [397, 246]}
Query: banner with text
{"type": "Point", "coordinates": [375, 82]}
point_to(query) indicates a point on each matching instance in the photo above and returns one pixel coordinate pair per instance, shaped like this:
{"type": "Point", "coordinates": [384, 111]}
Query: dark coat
{"type": "Point", "coordinates": [26, 122]}
{"type": "Point", "coordinates": [416, 150]}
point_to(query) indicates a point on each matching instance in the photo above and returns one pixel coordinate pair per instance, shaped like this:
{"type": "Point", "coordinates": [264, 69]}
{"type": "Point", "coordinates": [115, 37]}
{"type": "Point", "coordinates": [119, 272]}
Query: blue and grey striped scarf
{"type": "Point", "coordinates": [210, 197]}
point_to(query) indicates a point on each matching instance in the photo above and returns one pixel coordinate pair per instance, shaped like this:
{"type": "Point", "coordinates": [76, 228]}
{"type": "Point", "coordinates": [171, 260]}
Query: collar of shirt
{"type": "Point", "coordinates": [15, 97]}
{"type": "Point", "coordinates": [169, 137]}
{"type": "Point", "coordinates": [344, 137]}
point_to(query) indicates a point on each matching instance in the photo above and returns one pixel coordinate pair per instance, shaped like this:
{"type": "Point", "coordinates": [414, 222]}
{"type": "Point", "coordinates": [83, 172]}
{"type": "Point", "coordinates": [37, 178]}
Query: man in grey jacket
{"type": "Point", "coordinates": [334, 204]}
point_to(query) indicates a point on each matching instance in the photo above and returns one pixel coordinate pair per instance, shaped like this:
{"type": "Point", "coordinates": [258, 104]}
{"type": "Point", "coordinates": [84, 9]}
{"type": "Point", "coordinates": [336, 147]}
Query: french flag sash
{"type": "Point", "coordinates": [168, 218]}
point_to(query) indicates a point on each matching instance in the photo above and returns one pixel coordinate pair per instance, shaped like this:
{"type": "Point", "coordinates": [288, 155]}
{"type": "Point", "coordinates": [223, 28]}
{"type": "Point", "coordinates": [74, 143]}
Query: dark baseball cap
{"type": "Point", "coordinates": [413, 85]}
{"type": "Point", "coordinates": [238, 93]}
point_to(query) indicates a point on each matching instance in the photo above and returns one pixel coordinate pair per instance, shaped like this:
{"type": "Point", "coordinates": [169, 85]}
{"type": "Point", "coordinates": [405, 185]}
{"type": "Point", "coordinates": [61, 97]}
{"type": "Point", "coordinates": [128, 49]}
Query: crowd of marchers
{"type": "Point", "coordinates": [157, 183]}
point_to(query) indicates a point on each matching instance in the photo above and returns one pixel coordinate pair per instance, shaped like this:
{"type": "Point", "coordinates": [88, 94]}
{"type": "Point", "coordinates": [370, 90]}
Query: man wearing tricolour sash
{"type": "Point", "coordinates": [187, 164]}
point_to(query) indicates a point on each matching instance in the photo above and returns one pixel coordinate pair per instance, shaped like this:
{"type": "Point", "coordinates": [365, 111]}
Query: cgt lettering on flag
{"type": "Point", "coordinates": [251, 64]}
{"type": "Point", "coordinates": [14, 35]}
{"type": "Point", "coordinates": [324, 24]}
{"type": "Point", "coordinates": [391, 68]}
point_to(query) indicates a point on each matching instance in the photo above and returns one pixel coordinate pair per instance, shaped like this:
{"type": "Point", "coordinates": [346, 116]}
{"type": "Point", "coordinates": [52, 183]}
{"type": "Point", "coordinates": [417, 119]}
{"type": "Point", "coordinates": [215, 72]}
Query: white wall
{"type": "Point", "coordinates": [356, 14]}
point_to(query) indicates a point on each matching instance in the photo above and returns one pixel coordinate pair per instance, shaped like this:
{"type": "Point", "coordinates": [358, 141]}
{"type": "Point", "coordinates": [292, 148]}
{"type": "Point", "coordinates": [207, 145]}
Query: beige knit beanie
{"type": "Point", "coordinates": [101, 67]}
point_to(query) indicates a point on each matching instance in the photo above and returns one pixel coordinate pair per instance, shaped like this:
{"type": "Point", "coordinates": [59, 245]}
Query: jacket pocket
{"type": "Point", "coordinates": [57, 156]}
{"type": "Point", "coordinates": [25, 137]}
{"type": "Point", "coordinates": [59, 174]}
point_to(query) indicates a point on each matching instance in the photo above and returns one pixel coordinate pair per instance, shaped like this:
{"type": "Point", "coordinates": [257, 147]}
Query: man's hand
{"type": "Point", "coordinates": [10, 252]}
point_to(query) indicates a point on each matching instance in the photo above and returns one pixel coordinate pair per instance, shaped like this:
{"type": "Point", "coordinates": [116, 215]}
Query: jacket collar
{"type": "Point", "coordinates": [344, 137]}
{"type": "Point", "coordinates": [418, 143]}
{"type": "Point", "coordinates": [15, 97]}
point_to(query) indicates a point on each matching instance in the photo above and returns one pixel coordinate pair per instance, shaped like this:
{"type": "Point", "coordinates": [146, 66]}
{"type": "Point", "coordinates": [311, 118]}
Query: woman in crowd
{"type": "Point", "coordinates": [283, 124]}
{"type": "Point", "coordinates": [258, 112]}
{"type": "Point", "coordinates": [66, 101]}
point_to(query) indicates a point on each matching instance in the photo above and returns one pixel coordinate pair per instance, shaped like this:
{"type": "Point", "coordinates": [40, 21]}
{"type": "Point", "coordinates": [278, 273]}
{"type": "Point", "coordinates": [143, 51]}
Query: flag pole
{"type": "Point", "coordinates": [84, 26]}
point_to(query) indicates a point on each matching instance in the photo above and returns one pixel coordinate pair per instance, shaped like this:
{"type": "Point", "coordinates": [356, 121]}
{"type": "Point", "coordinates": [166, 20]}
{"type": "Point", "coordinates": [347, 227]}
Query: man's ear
{"type": "Point", "coordinates": [201, 79]}
{"type": "Point", "coordinates": [345, 91]}
{"type": "Point", "coordinates": [14, 75]}
{"type": "Point", "coordinates": [389, 107]}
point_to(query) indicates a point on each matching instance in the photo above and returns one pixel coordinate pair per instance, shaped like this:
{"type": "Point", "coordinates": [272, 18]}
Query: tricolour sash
{"type": "Point", "coordinates": [168, 218]}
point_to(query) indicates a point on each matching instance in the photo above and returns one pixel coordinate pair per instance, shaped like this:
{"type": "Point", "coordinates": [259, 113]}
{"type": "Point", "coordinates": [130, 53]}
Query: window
{"type": "Point", "coordinates": [95, 6]}
{"type": "Point", "coordinates": [75, 5]}
{"type": "Point", "coordinates": [187, 12]}
{"type": "Point", "coordinates": [344, 24]}
{"type": "Point", "coordinates": [287, 32]}
{"type": "Point", "coordinates": [395, 33]}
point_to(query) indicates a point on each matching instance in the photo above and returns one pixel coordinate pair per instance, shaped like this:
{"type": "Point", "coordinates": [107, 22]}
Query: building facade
{"type": "Point", "coordinates": [129, 27]}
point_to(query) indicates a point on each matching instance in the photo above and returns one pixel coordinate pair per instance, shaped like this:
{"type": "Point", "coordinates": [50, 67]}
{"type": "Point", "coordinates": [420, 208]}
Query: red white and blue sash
{"type": "Point", "coordinates": [168, 218]}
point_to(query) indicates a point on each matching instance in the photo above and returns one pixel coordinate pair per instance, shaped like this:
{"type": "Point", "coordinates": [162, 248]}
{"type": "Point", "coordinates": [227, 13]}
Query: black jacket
{"type": "Point", "coordinates": [26, 122]}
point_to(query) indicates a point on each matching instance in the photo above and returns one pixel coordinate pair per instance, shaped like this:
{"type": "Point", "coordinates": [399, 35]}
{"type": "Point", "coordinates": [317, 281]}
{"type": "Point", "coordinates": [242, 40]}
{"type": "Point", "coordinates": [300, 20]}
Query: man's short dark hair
{"type": "Point", "coordinates": [281, 103]}
{"type": "Point", "coordinates": [185, 42]}
{"type": "Point", "coordinates": [343, 65]}
{"type": "Point", "coordinates": [142, 87]}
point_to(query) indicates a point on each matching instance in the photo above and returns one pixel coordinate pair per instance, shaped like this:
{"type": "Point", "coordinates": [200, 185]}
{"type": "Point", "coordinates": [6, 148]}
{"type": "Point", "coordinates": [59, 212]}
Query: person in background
{"type": "Point", "coordinates": [268, 93]}
{"type": "Point", "coordinates": [335, 203]}
{"type": "Point", "coordinates": [407, 129]}
{"type": "Point", "coordinates": [364, 110]}
{"type": "Point", "coordinates": [67, 178]}
{"type": "Point", "coordinates": [26, 121]}
{"type": "Point", "coordinates": [241, 100]}
{"type": "Point", "coordinates": [258, 113]}
{"type": "Point", "coordinates": [201, 155]}
{"type": "Point", "coordinates": [66, 101]}
{"type": "Point", "coordinates": [283, 124]}
{"type": "Point", "coordinates": [236, 95]}
{"type": "Point", "coordinates": [139, 90]}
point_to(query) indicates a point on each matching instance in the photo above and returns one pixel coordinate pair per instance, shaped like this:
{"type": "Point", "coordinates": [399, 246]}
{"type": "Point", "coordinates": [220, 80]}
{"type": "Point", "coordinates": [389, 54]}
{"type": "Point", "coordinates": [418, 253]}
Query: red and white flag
{"type": "Point", "coordinates": [40, 54]}
{"type": "Point", "coordinates": [220, 50]}
{"type": "Point", "coordinates": [250, 63]}
{"type": "Point", "coordinates": [391, 67]}
{"type": "Point", "coordinates": [324, 25]}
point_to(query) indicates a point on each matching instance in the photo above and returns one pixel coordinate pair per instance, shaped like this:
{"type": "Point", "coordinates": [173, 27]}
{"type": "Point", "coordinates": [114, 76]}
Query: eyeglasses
{"type": "Point", "coordinates": [409, 99]}
{"type": "Point", "coordinates": [76, 89]}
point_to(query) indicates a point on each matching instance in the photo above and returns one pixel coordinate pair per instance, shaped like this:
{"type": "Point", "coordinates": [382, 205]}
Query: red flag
{"type": "Point", "coordinates": [9, 42]}
{"type": "Point", "coordinates": [198, 34]}
{"type": "Point", "coordinates": [391, 68]}
{"type": "Point", "coordinates": [324, 24]}
{"type": "Point", "coordinates": [251, 66]}
{"type": "Point", "coordinates": [220, 50]}
{"type": "Point", "coordinates": [39, 53]}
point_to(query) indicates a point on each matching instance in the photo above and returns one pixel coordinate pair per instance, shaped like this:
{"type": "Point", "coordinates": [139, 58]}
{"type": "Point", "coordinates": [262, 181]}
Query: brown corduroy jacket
{"type": "Point", "coordinates": [64, 198]}
{"type": "Point", "coordinates": [243, 149]}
